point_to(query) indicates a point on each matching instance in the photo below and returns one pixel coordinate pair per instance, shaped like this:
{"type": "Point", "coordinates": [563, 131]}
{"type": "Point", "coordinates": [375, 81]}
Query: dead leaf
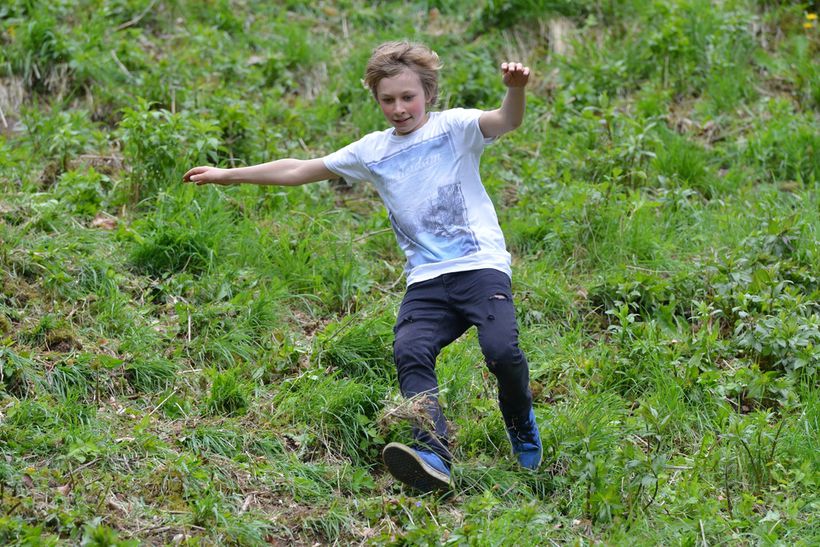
{"type": "Point", "coordinates": [117, 504]}
{"type": "Point", "coordinates": [104, 222]}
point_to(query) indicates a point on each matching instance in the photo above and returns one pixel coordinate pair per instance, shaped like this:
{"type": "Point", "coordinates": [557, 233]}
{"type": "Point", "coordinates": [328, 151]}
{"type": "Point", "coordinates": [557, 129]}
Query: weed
{"type": "Point", "coordinates": [341, 412]}
{"type": "Point", "coordinates": [505, 14]}
{"type": "Point", "coordinates": [83, 193]}
{"type": "Point", "coordinates": [332, 524]}
{"type": "Point", "coordinates": [683, 162]}
{"type": "Point", "coordinates": [60, 137]}
{"type": "Point", "coordinates": [786, 148]}
{"type": "Point", "coordinates": [229, 395]}
{"type": "Point", "coordinates": [786, 340]}
{"type": "Point", "coordinates": [361, 350]}
{"type": "Point", "coordinates": [180, 240]}
{"type": "Point", "coordinates": [41, 51]}
{"type": "Point", "coordinates": [159, 144]}
{"type": "Point", "coordinates": [17, 374]}
{"type": "Point", "coordinates": [151, 375]}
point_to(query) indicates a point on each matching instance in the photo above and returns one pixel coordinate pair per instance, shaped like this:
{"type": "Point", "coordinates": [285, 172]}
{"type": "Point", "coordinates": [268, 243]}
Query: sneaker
{"type": "Point", "coordinates": [526, 442]}
{"type": "Point", "coordinates": [421, 469]}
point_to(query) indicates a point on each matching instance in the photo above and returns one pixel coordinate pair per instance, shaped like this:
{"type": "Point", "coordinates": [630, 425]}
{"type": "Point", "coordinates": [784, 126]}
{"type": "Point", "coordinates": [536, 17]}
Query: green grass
{"type": "Point", "coordinates": [213, 365]}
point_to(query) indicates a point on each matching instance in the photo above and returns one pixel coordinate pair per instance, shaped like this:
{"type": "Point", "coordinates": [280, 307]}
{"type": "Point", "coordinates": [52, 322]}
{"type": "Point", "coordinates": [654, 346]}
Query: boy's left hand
{"type": "Point", "coordinates": [515, 74]}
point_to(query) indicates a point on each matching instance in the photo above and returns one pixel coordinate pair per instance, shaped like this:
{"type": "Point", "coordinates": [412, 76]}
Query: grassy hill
{"type": "Point", "coordinates": [212, 365]}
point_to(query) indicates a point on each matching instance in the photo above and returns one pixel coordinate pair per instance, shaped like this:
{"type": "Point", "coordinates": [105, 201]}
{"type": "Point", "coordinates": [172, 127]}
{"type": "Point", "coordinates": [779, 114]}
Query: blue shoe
{"type": "Point", "coordinates": [526, 442]}
{"type": "Point", "coordinates": [420, 469]}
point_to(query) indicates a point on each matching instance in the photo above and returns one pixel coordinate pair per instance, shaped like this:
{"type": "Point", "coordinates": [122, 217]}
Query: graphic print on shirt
{"type": "Point", "coordinates": [425, 202]}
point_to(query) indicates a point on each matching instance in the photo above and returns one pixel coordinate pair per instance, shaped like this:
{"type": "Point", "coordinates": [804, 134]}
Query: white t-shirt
{"type": "Point", "coordinates": [429, 181]}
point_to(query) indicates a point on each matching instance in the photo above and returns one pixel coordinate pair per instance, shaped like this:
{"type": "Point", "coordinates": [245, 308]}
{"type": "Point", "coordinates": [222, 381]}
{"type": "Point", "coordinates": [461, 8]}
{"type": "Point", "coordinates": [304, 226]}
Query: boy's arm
{"type": "Point", "coordinates": [284, 172]}
{"type": "Point", "coordinates": [495, 123]}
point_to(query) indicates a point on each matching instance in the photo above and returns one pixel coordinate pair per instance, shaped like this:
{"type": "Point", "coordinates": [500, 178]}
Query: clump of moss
{"type": "Point", "coordinates": [5, 324]}
{"type": "Point", "coordinates": [62, 340]}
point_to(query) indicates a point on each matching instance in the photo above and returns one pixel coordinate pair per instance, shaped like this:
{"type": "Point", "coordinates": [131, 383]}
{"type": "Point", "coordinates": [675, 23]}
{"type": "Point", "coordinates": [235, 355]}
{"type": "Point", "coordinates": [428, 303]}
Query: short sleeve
{"type": "Point", "coordinates": [467, 121]}
{"type": "Point", "coordinates": [347, 163]}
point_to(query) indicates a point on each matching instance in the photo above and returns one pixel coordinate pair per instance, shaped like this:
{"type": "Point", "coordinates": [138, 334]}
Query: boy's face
{"type": "Point", "coordinates": [402, 101]}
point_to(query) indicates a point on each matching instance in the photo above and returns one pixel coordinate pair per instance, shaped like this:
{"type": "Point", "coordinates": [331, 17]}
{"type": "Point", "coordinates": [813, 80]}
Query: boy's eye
{"type": "Point", "coordinates": [409, 97]}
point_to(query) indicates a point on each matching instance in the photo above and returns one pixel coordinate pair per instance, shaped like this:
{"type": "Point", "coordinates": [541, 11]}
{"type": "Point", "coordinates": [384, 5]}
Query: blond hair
{"type": "Point", "coordinates": [391, 58]}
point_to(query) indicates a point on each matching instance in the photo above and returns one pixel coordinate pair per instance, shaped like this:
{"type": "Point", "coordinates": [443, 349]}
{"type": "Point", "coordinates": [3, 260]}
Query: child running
{"type": "Point", "coordinates": [425, 167]}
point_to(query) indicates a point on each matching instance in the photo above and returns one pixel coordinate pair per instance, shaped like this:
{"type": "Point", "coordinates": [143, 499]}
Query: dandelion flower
{"type": "Point", "coordinates": [808, 25]}
{"type": "Point", "coordinates": [811, 16]}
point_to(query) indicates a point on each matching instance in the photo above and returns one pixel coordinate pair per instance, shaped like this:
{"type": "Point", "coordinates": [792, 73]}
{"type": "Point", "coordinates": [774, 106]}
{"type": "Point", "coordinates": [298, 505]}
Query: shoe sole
{"type": "Point", "coordinates": [406, 466]}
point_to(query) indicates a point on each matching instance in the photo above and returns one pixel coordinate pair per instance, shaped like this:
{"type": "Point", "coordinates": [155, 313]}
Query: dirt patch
{"type": "Point", "coordinates": [678, 120]}
{"type": "Point", "coordinates": [106, 165]}
{"type": "Point", "coordinates": [62, 341]}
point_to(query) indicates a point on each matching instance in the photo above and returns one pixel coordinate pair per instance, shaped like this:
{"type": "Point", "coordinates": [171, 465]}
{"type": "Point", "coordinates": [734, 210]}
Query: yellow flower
{"type": "Point", "coordinates": [811, 16]}
{"type": "Point", "coordinates": [808, 25]}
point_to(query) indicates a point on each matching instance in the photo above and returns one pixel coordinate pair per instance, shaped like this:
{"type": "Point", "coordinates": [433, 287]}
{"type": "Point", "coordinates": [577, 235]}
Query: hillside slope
{"type": "Point", "coordinates": [212, 365]}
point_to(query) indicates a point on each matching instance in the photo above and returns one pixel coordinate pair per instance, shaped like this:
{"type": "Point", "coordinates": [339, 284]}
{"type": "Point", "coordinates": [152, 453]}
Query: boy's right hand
{"type": "Point", "coordinates": [206, 175]}
{"type": "Point", "coordinates": [515, 74]}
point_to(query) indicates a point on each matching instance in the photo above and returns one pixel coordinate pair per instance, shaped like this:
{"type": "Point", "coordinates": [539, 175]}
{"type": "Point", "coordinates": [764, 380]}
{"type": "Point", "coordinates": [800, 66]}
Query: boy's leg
{"type": "Point", "coordinates": [488, 304]}
{"type": "Point", "coordinates": [425, 324]}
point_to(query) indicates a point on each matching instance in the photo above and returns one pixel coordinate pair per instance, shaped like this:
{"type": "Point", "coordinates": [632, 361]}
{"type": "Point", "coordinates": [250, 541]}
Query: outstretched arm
{"type": "Point", "coordinates": [284, 172]}
{"type": "Point", "coordinates": [495, 123]}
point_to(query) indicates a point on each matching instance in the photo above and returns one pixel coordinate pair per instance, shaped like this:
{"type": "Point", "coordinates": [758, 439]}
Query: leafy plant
{"type": "Point", "coordinates": [158, 145]}
{"type": "Point", "coordinates": [83, 192]}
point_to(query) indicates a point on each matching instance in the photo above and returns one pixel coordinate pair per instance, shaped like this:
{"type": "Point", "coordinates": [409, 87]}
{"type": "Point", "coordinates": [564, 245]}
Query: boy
{"type": "Point", "coordinates": [425, 168]}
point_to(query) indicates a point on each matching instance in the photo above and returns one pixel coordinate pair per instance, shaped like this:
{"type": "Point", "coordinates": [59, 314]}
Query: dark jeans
{"type": "Point", "coordinates": [436, 312]}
